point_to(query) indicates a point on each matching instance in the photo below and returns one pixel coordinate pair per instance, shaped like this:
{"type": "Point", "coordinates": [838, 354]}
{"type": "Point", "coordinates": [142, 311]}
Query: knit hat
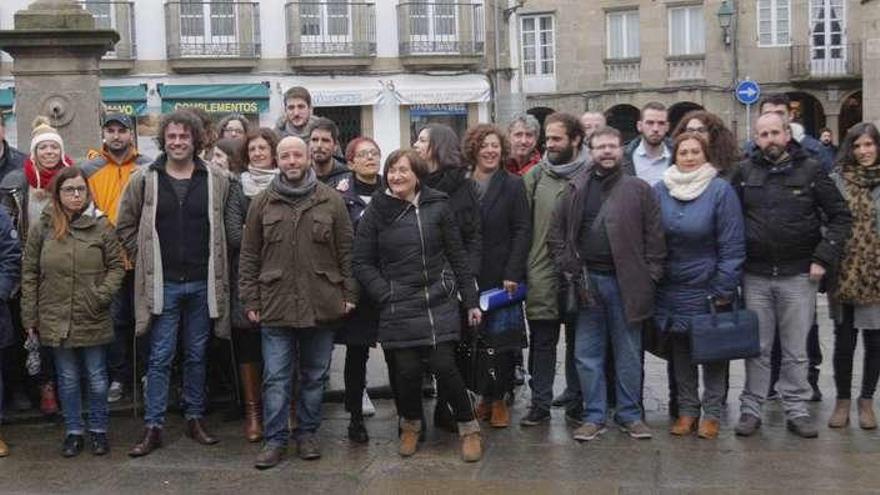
{"type": "Point", "coordinates": [43, 131]}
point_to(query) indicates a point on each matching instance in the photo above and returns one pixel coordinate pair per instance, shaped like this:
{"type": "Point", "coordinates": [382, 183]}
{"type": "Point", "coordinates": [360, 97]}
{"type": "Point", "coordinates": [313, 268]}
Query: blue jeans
{"type": "Point", "coordinates": [67, 367]}
{"type": "Point", "coordinates": [604, 319]}
{"type": "Point", "coordinates": [280, 360]}
{"type": "Point", "coordinates": [185, 303]}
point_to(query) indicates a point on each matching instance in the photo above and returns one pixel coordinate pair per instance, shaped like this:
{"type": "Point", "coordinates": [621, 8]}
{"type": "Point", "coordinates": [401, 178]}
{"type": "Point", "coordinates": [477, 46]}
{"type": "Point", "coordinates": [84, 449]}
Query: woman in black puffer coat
{"type": "Point", "coordinates": [409, 258]}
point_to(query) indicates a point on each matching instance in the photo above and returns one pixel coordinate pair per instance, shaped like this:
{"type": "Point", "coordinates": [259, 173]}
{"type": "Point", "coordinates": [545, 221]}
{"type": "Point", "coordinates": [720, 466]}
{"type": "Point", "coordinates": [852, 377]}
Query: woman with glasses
{"type": "Point", "coordinates": [72, 268]}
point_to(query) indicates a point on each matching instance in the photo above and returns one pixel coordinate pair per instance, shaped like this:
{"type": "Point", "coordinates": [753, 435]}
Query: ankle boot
{"type": "Point", "coordinates": [4, 449]}
{"type": "Point", "coordinates": [471, 447]}
{"type": "Point", "coordinates": [500, 414]}
{"type": "Point", "coordinates": [840, 417]}
{"type": "Point", "coordinates": [867, 420]}
{"type": "Point", "coordinates": [483, 410]}
{"type": "Point", "coordinates": [409, 437]}
{"type": "Point", "coordinates": [684, 425]}
{"type": "Point", "coordinates": [251, 389]}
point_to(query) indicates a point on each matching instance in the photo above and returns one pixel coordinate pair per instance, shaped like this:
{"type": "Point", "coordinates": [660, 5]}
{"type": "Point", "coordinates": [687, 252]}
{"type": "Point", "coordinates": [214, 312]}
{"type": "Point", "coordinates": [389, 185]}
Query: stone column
{"type": "Point", "coordinates": [56, 52]}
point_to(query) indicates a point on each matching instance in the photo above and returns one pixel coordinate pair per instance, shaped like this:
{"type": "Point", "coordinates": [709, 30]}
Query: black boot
{"type": "Point", "coordinates": [72, 446]}
{"type": "Point", "coordinates": [357, 432]}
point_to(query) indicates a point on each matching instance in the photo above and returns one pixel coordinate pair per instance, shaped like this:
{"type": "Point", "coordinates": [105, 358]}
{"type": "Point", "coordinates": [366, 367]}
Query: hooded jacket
{"type": "Point", "coordinates": [68, 284]}
{"type": "Point", "coordinates": [108, 178]}
{"type": "Point", "coordinates": [409, 258]}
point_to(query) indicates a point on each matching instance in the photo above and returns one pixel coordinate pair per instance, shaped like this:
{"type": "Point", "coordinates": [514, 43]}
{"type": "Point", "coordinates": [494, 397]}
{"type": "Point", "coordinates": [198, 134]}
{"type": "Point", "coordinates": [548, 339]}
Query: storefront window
{"type": "Point", "coordinates": [452, 114]}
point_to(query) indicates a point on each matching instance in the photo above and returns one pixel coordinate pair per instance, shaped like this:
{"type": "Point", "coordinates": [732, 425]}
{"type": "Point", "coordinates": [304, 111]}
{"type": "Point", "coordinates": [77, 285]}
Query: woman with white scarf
{"type": "Point", "coordinates": [705, 243]}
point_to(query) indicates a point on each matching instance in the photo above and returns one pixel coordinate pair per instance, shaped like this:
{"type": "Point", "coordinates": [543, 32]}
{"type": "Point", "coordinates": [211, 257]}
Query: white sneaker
{"type": "Point", "coordinates": [367, 406]}
{"type": "Point", "coordinates": [114, 393]}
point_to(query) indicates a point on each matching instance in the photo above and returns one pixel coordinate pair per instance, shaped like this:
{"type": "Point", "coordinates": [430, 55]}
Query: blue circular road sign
{"type": "Point", "coordinates": [747, 92]}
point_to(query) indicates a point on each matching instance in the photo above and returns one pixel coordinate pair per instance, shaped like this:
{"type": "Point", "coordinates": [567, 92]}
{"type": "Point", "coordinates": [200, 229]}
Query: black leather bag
{"type": "Point", "coordinates": [724, 335]}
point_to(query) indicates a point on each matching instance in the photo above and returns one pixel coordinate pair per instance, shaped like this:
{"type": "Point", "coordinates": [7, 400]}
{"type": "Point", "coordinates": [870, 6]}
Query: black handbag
{"type": "Point", "coordinates": [724, 335]}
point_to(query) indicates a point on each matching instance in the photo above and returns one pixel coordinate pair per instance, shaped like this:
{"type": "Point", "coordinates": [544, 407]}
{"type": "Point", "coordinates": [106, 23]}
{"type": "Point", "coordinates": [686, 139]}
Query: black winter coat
{"type": "Point", "coordinates": [786, 208]}
{"type": "Point", "coordinates": [507, 231]}
{"type": "Point", "coordinates": [410, 259]}
{"type": "Point", "coordinates": [361, 327]}
{"type": "Point", "coordinates": [465, 204]}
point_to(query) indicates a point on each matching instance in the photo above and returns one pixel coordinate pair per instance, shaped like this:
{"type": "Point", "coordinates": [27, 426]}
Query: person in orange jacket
{"type": "Point", "coordinates": [107, 170]}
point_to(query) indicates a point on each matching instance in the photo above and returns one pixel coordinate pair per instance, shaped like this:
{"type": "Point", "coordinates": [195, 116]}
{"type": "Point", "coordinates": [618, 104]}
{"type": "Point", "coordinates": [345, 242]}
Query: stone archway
{"type": "Point", "coordinates": [679, 110]}
{"type": "Point", "coordinates": [623, 117]}
{"type": "Point", "coordinates": [850, 113]}
{"type": "Point", "coordinates": [807, 111]}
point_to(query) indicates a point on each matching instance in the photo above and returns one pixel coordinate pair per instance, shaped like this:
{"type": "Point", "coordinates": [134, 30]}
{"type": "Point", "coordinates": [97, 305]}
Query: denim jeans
{"type": "Point", "coordinates": [280, 360]}
{"type": "Point", "coordinates": [600, 322]}
{"type": "Point", "coordinates": [543, 337]}
{"type": "Point", "coordinates": [67, 366]}
{"type": "Point", "coordinates": [785, 305]}
{"type": "Point", "coordinates": [186, 305]}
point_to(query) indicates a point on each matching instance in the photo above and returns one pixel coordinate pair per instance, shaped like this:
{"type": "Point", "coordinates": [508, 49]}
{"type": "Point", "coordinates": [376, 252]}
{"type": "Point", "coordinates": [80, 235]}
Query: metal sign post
{"type": "Point", "coordinates": [747, 92]}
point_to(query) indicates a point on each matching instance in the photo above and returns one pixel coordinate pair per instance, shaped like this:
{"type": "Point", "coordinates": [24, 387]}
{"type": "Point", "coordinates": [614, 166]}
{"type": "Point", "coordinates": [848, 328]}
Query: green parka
{"type": "Point", "coordinates": [67, 284]}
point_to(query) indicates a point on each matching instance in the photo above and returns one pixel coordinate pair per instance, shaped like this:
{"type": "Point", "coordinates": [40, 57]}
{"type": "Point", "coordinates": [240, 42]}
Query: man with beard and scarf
{"type": "Point", "coordinates": [296, 283]}
{"type": "Point", "coordinates": [608, 223]}
{"type": "Point", "coordinates": [796, 225]}
{"type": "Point", "coordinates": [323, 138]}
{"type": "Point", "coordinates": [567, 157]}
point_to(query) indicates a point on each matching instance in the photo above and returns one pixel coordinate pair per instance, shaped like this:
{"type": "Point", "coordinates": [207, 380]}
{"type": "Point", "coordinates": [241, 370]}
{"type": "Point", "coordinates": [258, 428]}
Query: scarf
{"type": "Point", "coordinates": [687, 186]}
{"type": "Point", "coordinates": [567, 170]}
{"type": "Point", "coordinates": [859, 281]}
{"type": "Point", "coordinates": [256, 180]}
{"type": "Point", "coordinates": [39, 177]}
{"type": "Point", "coordinates": [283, 187]}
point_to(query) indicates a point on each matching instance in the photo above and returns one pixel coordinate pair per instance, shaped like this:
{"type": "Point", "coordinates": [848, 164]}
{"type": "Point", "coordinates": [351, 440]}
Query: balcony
{"type": "Point", "coordinates": [118, 16]}
{"type": "Point", "coordinates": [840, 62]}
{"type": "Point", "coordinates": [686, 68]}
{"type": "Point", "coordinates": [623, 71]}
{"type": "Point", "coordinates": [444, 34]}
{"type": "Point", "coordinates": [212, 36]}
{"type": "Point", "coordinates": [330, 34]}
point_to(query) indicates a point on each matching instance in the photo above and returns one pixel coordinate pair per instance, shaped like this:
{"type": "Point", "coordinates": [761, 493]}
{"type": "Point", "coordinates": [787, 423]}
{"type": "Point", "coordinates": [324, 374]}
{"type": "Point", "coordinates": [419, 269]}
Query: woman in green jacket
{"type": "Point", "coordinates": [72, 267]}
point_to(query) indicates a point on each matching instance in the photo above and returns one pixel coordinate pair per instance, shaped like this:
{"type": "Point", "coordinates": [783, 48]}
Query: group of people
{"type": "Point", "coordinates": [285, 243]}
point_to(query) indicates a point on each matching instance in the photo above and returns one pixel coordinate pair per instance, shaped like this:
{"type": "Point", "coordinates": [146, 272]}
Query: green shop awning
{"type": "Point", "coordinates": [216, 98]}
{"type": "Point", "coordinates": [129, 100]}
{"type": "Point", "coordinates": [7, 98]}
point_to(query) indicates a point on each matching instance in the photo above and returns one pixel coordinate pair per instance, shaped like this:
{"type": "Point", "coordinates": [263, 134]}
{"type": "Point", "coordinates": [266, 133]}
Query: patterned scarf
{"type": "Point", "coordinates": [859, 281]}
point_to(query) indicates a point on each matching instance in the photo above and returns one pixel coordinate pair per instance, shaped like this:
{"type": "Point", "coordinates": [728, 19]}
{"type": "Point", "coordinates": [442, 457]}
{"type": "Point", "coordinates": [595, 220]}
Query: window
{"type": "Point", "coordinates": [102, 12]}
{"type": "Point", "coordinates": [774, 22]}
{"type": "Point", "coordinates": [687, 31]}
{"type": "Point", "coordinates": [329, 19]}
{"type": "Point", "coordinates": [622, 34]}
{"type": "Point", "coordinates": [538, 56]}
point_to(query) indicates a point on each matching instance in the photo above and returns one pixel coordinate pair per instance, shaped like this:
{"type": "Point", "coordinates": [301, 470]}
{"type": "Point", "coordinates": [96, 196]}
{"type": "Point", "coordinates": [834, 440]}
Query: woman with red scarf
{"type": "Point", "coordinates": [24, 193]}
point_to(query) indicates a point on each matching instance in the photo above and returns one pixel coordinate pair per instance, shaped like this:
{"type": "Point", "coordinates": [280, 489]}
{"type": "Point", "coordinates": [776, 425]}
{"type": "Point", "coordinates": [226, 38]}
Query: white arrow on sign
{"type": "Point", "coordinates": [748, 91]}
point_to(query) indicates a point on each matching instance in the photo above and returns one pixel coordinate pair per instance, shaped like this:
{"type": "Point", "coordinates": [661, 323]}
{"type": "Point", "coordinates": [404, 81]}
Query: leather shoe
{"type": "Point", "coordinates": [195, 429]}
{"type": "Point", "coordinates": [73, 445]}
{"type": "Point", "coordinates": [152, 440]}
{"type": "Point", "coordinates": [269, 457]}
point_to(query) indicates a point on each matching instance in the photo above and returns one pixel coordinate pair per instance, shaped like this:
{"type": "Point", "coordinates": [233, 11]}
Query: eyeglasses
{"type": "Point", "coordinates": [367, 154]}
{"type": "Point", "coordinates": [74, 190]}
{"type": "Point", "coordinates": [700, 130]}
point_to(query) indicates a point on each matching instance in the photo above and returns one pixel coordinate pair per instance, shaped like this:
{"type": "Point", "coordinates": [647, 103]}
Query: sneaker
{"type": "Point", "coordinates": [535, 417]}
{"type": "Point", "coordinates": [802, 427]}
{"type": "Point", "coordinates": [98, 443]}
{"type": "Point", "coordinates": [636, 429]}
{"type": "Point", "coordinates": [308, 448]}
{"type": "Point", "coordinates": [367, 407]}
{"type": "Point", "coordinates": [588, 431]}
{"type": "Point", "coordinates": [114, 393]}
{"type": "Point", "coordinates": [748, 425]}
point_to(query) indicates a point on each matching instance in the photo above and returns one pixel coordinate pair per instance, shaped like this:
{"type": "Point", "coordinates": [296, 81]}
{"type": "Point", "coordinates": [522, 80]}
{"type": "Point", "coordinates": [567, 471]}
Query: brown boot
{"type": "Point", "coordinates": [867, 420]}
{"type": "Point", "coordinates": [500, 414]}
{"type": "Point", "coordinates": [471, 447]}
{"type": "Point", "coordinates": [409, 437]}
{"type": "Point", "coordinates": [483, 410]}
{"type": "Point", "coordinates": [152, 440]}
{"type": "Point", "coordinates": [195, 429]}
{"type": "Point", "coordinates": [251, 390]}
{"type": "Point", "coordinates": [4, 449]}
{"type": "Point", "coordinates": [708, 429]}
{"type": "Point", "coordinates": [840, 417]}
{"type": "Point", "coordinates": [684, 425]}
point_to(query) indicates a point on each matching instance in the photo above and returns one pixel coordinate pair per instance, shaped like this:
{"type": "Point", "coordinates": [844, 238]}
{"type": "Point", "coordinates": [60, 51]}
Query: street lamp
{"type": "Point", "coordinates": [725, 17]}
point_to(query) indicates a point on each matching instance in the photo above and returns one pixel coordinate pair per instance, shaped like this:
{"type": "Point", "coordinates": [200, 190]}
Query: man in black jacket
{"type": "Point", "coordinates": [787, 202]}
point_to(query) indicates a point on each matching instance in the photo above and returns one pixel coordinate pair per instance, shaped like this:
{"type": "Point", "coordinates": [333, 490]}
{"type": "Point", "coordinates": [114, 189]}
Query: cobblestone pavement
{"type": "Point", "coordinates": [541, 459]}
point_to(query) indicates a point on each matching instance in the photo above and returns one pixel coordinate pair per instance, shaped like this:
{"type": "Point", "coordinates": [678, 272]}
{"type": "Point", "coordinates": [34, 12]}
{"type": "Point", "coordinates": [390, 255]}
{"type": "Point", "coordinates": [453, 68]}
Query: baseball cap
{"type": "Point", "coordinates": [119, 118]}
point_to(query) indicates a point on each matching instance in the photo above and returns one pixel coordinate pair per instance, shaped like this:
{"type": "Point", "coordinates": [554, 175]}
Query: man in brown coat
{"type": "Point", "coordinates": [607, 226]}
{"type": "Point", "coordinates": [296, 283]}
